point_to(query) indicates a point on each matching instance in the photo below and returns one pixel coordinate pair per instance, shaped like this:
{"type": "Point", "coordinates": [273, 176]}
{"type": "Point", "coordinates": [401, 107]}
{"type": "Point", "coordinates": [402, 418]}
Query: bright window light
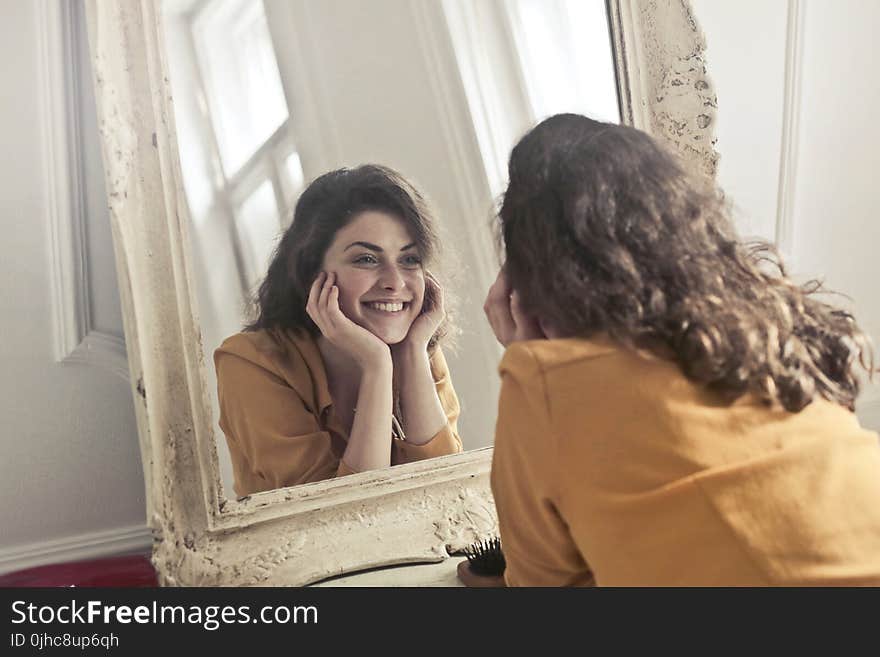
{"type": "Point", "coordinates": [258, 230]}
{"type": "Point", "coordinates": [242, 84]}
{"type": "Point", "coordinates": [565, 53]}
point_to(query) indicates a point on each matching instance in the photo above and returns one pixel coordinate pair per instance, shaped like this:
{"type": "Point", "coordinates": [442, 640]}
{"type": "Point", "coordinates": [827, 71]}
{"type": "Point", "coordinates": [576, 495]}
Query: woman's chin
{"type": "Point", "coordinates": [391, 338]}
{"type": "Point", "coordinates": [387, 334]}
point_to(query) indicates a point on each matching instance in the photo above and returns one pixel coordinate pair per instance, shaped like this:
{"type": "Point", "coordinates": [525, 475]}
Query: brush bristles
{"type": "Point", "coordinates": [486, 558]}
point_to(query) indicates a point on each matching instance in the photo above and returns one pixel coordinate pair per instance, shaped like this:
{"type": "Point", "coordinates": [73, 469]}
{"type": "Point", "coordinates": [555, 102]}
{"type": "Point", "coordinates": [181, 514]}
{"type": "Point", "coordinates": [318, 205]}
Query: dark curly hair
{"type": "Point", "coordinates": [328, 204]}
{"type": "Point", "coordinates": [604, 231]}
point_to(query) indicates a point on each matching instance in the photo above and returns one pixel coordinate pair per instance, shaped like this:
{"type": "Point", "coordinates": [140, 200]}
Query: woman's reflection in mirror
{"type": "Point", "coordinates": [342, 369]}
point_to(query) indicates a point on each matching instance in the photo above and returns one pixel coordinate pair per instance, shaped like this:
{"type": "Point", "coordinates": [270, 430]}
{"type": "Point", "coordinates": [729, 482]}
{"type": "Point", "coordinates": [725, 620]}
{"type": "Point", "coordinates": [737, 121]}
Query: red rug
{"type": "Point", "coordinates": [130, 571]}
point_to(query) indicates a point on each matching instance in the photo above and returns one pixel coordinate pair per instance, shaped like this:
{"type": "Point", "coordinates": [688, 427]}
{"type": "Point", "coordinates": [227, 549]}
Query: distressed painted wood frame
{"type": "Point", "coordinates": [420, 512]}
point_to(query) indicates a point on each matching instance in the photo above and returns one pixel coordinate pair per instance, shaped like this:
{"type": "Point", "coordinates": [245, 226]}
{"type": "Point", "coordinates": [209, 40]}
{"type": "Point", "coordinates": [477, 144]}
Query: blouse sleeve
{"type": "Point", "coordinates": [274, 439]}
{"type": "Point", "coordinates": [446, 441]}
{"type": "Point", "coordinates": [537, 546]}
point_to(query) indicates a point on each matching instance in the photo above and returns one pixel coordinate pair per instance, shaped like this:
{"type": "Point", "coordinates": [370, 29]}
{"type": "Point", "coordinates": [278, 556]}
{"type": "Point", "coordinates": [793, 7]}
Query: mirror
{"type": "Point", "coordinates": [270, 94]}
{"type": "Point", "coordinates": [458, 86]}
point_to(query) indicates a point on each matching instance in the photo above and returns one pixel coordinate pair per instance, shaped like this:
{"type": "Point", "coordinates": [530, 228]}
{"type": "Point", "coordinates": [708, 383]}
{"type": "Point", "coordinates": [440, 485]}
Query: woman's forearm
{"type": "Point", "coordinates": [369, 445]}
{"type": "Point", "coordinates": [423, 414]}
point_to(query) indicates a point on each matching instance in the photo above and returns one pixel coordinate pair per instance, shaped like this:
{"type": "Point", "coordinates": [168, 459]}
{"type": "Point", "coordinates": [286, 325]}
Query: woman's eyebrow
{"type": "Point", "coordinates": [366, 245]}
{"type": "Point", "coordinates": [375, 247]}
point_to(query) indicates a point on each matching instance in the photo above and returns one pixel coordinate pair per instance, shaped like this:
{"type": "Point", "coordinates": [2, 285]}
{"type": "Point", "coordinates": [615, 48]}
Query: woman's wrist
{"type": "Point", "coordinates": [409, 350]}
{"type": "Point", "coordinates": [375, 360]}
{"type": "Point", "coordinates": [380, 363]}
{"type": "Point", "coordinates": [410, 360]}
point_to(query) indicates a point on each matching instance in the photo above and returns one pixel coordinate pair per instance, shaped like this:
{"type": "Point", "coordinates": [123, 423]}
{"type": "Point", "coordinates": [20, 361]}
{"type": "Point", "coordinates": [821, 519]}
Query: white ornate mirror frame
{"type": "Point", "coordinates": [414, 513]}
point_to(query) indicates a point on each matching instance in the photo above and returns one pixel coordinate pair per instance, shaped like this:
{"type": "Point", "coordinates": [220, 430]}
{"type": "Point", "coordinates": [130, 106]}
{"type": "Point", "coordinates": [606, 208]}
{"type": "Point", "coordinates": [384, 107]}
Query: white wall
{"type": "Point", "coordinates": [70, 473]}
{"type": "Point", "coordinates": [799, 140]}
{"type": "Point", "coordinates": [837, 232]}
{"type": "Point", "coordinates": [749, 76]}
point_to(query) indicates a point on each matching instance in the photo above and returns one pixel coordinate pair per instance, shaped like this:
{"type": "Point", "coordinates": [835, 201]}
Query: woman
{"type": "Point", "coordinates": [674, 410]}
{"type": "Point", "coordinates": [342, 371]}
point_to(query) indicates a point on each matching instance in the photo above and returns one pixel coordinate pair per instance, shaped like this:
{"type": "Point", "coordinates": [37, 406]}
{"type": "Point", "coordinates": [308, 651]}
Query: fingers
{"type": "Point", "coordinates": [325, 291]}
{"type": "Point", "coordinates": [499, 291]}
{"type": "Point", "coordinates": [508, 318]}
{"type": "Point", "coordinates": [547, 329]}
{"type": "Point", "coordinates": [527, 327]}
{"type": "Point", "coordinates": [516, 309]}
{"type": "Point", "coordinates": [435, 301]}
{"type": "Point", "coordinates": [334, 312]}
{"type": "Point", "coordinates": [323, 303]}
{"type": "Point", "coordinates": [314, 291]}
{"type": "Point", "coordinates": [312, 305]}
{"type": "Point", "coordinates": [329, 303]}
{"type": "Point", "coordinates": [503, 283]}
{"type": "Point", "coordinates": [334, 320]}
{"type": "Point", "coordinates": [502, 323]}
{"type": "Point", "coordinates": [498, 311]}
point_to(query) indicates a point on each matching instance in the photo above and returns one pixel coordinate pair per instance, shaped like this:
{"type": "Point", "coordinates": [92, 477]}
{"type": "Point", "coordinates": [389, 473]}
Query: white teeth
{"type": "Point", "coordinates": [387, 307]}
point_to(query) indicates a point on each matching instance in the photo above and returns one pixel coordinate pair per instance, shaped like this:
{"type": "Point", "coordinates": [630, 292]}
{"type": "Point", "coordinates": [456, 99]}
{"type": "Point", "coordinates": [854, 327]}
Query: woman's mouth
{"type": "Point", "coordinates": [386, 307]}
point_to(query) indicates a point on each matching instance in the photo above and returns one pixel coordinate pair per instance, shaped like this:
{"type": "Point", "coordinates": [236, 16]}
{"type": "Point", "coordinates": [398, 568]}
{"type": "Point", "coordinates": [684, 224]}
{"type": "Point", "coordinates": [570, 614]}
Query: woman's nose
{"type": "Point", "coordinates": [392, 279]}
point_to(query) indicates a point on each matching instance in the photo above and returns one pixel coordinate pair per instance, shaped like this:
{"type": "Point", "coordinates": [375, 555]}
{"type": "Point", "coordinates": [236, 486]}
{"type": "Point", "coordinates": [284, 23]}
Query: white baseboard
{"type": "Point", "coordinates": [123, 540]}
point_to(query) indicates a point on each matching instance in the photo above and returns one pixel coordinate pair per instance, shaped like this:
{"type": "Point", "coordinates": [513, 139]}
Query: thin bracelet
{"type": "Point", "coordinates": [396, 427]}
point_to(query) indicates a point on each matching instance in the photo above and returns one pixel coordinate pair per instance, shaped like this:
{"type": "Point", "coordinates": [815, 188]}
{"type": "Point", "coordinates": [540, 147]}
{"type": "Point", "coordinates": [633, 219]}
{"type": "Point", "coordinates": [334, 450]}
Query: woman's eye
{"type": "Point", "coordinates": [366, 259]}
{"type": "Point", "coordinates": [412, 261]}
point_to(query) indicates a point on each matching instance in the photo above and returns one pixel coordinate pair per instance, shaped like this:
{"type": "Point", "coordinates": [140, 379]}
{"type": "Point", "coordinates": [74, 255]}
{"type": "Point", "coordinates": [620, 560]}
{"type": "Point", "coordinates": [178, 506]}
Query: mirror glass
{"type": "Point", "coordinates": [270, 94]}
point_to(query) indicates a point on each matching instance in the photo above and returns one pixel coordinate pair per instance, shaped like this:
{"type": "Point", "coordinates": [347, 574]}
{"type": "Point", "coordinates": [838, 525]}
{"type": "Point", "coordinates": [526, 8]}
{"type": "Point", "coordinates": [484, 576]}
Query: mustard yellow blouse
{"type": "Point", "coordinates": [277, 414]}
{"type": "Point", "coordinates": [611, 468]}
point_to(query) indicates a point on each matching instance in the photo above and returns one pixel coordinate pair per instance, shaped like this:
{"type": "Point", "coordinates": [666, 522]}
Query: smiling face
{"type": "Point", "coordinates": [379, 274]}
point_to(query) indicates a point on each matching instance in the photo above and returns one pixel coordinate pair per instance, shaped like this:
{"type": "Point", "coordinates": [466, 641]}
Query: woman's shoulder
{"type": "Point", "coordinates": [250, 345]}
{"type": "Point", "coordinates": [528, 357]}
{"type": "Point", "coordinates": [276, 350]}
{"type": "Point", "coordinates": [249, 359]}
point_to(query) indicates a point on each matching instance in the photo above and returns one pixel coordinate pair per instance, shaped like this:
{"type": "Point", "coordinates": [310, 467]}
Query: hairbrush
{"type": "Point", "coordinates": [485, 564]}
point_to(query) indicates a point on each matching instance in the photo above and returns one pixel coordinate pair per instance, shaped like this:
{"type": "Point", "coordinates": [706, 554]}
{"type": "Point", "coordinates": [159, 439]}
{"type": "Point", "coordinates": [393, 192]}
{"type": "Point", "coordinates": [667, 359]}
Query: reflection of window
{"type": "Point", "coordinates": [241, 169]}
{"type": "Point", "coordinates": [523, 60]}
{"type": "Point", "coordinates": [294, 179]}
{"type": "Point", "coordinates": [256, 222]}
{"type": "Point", "coordinates": [564, 49]}
{"type": "Point", "coordinates": [240, 76]}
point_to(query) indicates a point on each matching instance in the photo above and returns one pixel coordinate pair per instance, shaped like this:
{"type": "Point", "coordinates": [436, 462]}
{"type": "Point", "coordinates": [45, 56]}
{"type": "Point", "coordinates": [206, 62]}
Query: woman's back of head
{"type": "Point", "coordinates": [605, 232]}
